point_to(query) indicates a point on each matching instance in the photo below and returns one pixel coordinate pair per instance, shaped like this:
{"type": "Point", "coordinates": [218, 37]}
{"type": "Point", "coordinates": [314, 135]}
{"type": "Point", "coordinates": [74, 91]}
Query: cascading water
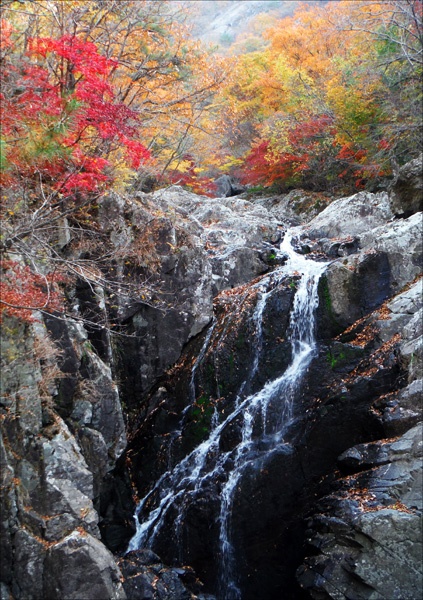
{"type": "Point", "coordinates": [268, 411]}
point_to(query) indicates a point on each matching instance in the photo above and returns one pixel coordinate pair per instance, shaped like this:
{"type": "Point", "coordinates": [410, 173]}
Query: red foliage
{"type": "Point", "coordinates": [349, 153]}
{"type": "Point", "coordinates": [23, 291]}
{"type": "Point", "coordinates": [312, 152]}
{"type": "Point", "coordinates": [190, 179]}
{"type": "Point", "coordinates": [68, 106]}
{"type": "Point", "coordinates": [136, 152]}
{"type": "Point", "coordinates": [307, 133]}
{"type": "Point", "coordinates": [263, 166]}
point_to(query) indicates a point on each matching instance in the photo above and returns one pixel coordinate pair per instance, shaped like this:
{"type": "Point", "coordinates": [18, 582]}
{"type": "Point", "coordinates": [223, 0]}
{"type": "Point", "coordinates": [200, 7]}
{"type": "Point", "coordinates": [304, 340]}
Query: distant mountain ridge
{"type": "Point", "coordinates": [221, 21]}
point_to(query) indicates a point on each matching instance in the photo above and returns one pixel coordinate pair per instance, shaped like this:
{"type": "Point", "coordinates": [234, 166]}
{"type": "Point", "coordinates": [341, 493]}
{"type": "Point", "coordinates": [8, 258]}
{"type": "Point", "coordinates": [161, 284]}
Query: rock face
{"type": "Point", "coordinates": [366, 535]}
{"type": "Point", "coordinates": [361, 389]}
{"type": "Point", "coordinates": [63, 431]}
{"type": "Point", "coordinates": [342, 489]}
{"type": "Point", "coordinates": [51, 480]}
{"type": "Point", "coordinates": [202, 246]}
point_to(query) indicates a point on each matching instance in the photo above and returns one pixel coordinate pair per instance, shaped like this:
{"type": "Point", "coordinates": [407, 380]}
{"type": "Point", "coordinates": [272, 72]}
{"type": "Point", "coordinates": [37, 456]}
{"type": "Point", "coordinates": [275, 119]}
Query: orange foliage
{"type": "Point", "coordinates": [320, 104]}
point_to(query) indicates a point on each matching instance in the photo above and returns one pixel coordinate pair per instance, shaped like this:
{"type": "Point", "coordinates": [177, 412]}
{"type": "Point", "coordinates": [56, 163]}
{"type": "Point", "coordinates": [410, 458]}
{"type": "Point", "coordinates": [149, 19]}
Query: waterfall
{"type": "Point", "coordinates": [269, 411]}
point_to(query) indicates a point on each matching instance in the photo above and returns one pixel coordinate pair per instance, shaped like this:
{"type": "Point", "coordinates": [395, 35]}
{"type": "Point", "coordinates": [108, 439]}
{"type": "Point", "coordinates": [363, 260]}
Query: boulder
{"type": "Point", "coordinates": [350, 216]}
{"type": "Point", "coordinates": [295, 208]}
{"type": "Point", "coordinates": [406, 191]}
{"type": "Point", "coordinates": [227, 186]}
{"type": "Point", "coordinates": [147, 578]}
{"type": "Point", "coordinates": [391, 257]}
{"type": "Point", "coordinates": [236, 267]}
{"type": "Point", "coordinates": [80, 566]}
{"type": "Point", "coordinates": [401, 241]}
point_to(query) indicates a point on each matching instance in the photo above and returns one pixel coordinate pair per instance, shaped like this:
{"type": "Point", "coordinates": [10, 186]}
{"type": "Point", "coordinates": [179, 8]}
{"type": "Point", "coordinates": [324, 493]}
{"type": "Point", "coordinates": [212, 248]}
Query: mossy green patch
{"type": "Point", "coordinates": [325, 294]}
{"type": "Point", "coordinates": [201, 414]}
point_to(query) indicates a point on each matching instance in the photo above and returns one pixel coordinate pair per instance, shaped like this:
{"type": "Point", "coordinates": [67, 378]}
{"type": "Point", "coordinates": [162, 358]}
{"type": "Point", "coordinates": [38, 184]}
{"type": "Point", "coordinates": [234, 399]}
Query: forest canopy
{"type": "Point", "coordinates": [109, 95]}
{"type": "Point", "coordinates": [332, 101]}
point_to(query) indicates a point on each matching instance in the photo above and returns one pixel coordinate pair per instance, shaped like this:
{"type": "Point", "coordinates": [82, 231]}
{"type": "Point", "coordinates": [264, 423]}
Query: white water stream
{"type": "Point", "coordinates": [271, 408]}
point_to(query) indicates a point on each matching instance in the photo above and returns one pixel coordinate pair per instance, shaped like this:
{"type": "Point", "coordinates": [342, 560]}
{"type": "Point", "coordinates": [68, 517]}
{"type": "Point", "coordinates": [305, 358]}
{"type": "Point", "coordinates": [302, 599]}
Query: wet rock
{"type": "Point", "coordinates": [147, 578]}
{"type": "Point", "coordinates": [333, 248]}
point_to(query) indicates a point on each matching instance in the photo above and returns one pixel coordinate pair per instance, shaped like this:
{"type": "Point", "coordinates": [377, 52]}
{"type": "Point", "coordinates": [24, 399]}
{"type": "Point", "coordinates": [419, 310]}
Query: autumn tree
{"type": "Point", "coordinates": [396, 30]}
{"type": "Point", "coordinates": [95, 95]}
{"type": "Point", "coordinates": [166, 78]}
{"type": "Point", "coordinates": [332, 101]}
{"type": "Point", "coordinates": [60, 120]}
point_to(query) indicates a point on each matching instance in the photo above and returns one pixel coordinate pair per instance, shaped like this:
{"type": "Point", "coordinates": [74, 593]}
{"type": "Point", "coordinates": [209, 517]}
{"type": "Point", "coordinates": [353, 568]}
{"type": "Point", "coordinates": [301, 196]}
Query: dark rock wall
{"type": "Point", "coordinates": [356, 392]}
{"type": "Point", "coordinates": [54, 456]}
{"type": "Point", "coordinates": [338, 513]}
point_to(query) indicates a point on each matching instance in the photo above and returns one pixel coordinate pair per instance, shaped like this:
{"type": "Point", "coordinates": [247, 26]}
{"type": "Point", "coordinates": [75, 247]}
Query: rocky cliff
{"type": "Point", "coordinates": [91, 415]}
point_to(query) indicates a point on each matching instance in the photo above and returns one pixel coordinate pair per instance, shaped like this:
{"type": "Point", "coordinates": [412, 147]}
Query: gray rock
{"type": "Point", "coordinates": [28, 566]}
{"type": "Point", "coordinates": [411, 346]}
{"type": "Point", "coordinates": [5, 593]}
{"type": "Point", "coordinates": [20, 374]}
{"type": "Point", "coordinates": [377, 553]}
{"type": "Point", "coordinates": [392, 564]}
{"type": "Point", "coordinates": [351, 216]}
{"type": "Point", "coordinates": [69, 487]}
{"type": "Point", "coordinates": [391, 258]}
{"type": "Point", "coordinates": [401, 309]}
{"type": "Point", "coordinates": [146, 578]}
{"type": "Point", "coordinates": [236, 223]}
{"type": "Point", "coordinates": [80, 567]}
{"type": "Point", "coordinates": [94, 450]}
{"type": "Point", "coordinates": [403, 409]}
{"type": "Point", "coordinates": [355, 286]}
{"type": "Point", "coordinates": [236, 267]}
{"type": "Point", "coordinates": [227, 186]}
{"type": "Point", "coordinates": [295, 208]}
{"type": "Point", "coordinates": [402, 242]}
{"type": "Point", "coordinates": [406, 192]}
{"type": "Point", "coordinates": [107, 417]}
